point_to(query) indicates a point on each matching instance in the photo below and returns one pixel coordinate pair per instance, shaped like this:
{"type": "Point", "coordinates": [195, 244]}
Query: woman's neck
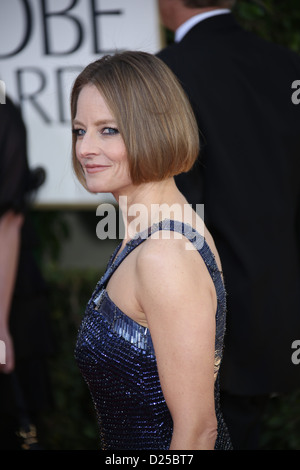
{"type": "Point", "coordinates": [149, 203]}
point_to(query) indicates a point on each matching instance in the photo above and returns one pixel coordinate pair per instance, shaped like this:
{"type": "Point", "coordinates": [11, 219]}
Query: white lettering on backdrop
{"type": "Point", "coordinates": [44, 44]}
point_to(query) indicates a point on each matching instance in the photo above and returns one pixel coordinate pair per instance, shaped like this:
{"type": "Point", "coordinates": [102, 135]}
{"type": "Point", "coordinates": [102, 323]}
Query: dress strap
{"type": "Point", "coordinates": [189, 232]}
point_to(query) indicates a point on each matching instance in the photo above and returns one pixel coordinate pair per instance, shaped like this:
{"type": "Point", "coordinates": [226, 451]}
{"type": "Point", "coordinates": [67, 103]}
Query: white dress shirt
{"type": "Point", "coordinates": [187, 25]}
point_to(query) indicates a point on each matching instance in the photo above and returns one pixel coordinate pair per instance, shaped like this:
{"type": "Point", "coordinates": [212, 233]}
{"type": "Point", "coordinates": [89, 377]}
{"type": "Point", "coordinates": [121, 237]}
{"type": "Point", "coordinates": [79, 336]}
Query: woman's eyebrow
{"type": "Point", "coordinates": [101, 122]}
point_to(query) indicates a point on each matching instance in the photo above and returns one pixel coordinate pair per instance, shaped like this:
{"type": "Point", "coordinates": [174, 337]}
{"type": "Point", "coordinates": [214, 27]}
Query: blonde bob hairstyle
{"type": "Point", "coordinates": [152, 112]}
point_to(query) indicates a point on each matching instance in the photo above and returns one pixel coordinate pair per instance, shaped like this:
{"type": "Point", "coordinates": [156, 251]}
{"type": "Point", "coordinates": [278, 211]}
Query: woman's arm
{"type": "Point", "coordinates": [10, 229]}
{"type": "Point", "coordinates": [178, 298]}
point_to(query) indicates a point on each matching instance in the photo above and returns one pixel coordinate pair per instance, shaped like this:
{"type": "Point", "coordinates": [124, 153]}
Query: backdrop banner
{"type": "Point", "coordinates": [44, 44]}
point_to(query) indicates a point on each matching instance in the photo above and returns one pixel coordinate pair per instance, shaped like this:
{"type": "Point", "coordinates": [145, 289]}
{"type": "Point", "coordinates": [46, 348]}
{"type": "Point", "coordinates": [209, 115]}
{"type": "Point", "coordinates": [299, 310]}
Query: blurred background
{"type": "Point", "coordinates": [72, 260]}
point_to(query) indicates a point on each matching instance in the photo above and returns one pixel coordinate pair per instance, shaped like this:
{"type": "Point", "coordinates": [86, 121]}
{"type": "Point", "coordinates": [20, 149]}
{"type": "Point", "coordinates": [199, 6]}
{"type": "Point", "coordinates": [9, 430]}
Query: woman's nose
{"type": "Point", "coordinates": [87, 145]}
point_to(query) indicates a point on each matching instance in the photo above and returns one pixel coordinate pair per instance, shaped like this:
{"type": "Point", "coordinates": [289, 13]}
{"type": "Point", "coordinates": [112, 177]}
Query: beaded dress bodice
{"type": "Point", "coordinates": [117, 360]}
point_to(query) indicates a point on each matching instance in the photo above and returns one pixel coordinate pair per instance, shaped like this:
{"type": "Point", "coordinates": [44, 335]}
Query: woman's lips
{"type": "Point", "coordinates": [95, 168]}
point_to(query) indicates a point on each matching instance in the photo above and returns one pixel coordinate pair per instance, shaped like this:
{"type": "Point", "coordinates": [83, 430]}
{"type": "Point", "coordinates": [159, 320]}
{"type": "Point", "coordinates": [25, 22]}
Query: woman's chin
{"type": "Point", "coordinates": [95, 188]}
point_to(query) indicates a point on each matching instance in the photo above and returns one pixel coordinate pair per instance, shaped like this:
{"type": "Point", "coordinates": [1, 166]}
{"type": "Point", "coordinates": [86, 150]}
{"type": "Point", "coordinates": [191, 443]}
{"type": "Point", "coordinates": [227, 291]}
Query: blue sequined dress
{"type": "Point", "coordinates": [117, 360]}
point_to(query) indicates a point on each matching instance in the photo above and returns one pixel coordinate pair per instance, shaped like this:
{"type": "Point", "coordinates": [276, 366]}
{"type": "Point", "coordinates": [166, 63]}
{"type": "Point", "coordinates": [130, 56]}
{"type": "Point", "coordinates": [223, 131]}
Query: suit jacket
{"type": "Point", "coordinates": [248, 177]}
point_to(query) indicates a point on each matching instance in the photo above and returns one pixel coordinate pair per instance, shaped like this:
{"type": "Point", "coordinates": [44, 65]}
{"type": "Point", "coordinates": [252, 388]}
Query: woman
{"type": "Point", "coordinates": [25, 324]}
{"type": "Point", "coordinates": [150, 343]}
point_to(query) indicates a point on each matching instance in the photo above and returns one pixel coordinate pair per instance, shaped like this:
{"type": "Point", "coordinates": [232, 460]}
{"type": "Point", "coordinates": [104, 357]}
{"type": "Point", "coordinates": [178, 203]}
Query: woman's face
{"type": "Point", "coordinates": [99, 146]}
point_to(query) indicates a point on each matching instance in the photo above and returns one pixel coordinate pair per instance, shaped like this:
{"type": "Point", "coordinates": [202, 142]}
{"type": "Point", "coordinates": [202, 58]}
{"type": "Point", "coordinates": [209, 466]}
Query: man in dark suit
{"type": "Point", "coordinates": [248, 177]}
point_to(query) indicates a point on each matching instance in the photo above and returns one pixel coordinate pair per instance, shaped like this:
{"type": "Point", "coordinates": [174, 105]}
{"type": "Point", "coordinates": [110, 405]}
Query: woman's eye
{"type": "Point", "coordinates": [110, 131]}
{"type": "Point", "coordinates": [78, 132]}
